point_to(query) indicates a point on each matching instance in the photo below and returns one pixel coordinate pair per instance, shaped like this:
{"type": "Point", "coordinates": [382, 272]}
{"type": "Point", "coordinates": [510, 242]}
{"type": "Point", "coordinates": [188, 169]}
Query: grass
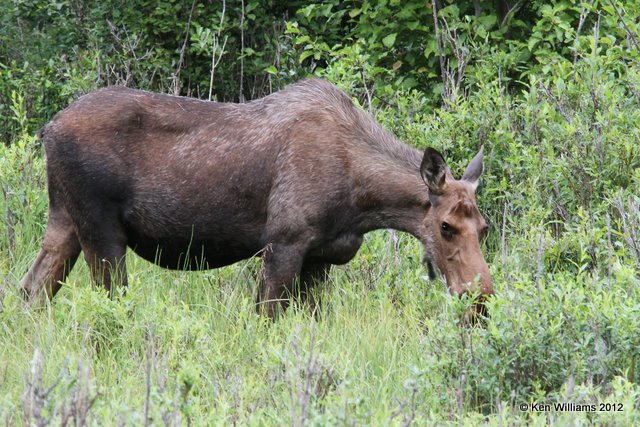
{"type": "Point", "coordinates": [188, 348]}
{"type": "Point", "coordinates": [191, 344]}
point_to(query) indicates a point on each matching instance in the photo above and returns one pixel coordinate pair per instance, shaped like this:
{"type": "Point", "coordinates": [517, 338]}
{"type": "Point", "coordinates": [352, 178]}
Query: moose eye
{"type": "Point", "coordinates": [446, 230]}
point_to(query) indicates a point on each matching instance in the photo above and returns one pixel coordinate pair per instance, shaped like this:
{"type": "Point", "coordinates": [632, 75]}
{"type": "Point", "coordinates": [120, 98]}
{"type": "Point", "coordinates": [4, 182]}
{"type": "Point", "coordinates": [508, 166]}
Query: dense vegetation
{"type": "Point", "coordinates": [551, 88]}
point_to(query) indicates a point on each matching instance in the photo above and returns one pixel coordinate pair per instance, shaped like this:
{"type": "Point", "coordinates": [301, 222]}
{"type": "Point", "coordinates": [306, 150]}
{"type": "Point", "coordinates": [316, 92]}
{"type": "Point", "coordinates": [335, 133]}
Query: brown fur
{"type": "Point", "coordinates": [297, 177]}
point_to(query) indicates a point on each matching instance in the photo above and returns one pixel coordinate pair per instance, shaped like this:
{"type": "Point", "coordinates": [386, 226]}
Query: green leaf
{"type": "Point", "coordinates": [304, 55]}
{"type": "Point", "coordinates": [389, 40]}
{"type": "Point", "coordinates": [431, 48]}
{"type": "Point", "coordinates": [302, 39]}
{"type": "Point", "coordinates": [533, 41]}
{"type": "Point", "coordinates": [271, 70]}
{"type": "Point", "coordinates": [488, 21]}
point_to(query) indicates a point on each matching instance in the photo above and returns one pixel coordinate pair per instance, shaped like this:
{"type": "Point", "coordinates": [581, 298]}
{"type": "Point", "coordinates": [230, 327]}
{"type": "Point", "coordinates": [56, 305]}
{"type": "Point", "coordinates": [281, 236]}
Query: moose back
{"type": "Point", "coordinates": [297, 177]}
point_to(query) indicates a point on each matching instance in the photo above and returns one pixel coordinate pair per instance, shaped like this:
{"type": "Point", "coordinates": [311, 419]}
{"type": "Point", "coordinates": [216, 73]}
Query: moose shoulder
{"type": "Point", "coordinates": [297, 177]}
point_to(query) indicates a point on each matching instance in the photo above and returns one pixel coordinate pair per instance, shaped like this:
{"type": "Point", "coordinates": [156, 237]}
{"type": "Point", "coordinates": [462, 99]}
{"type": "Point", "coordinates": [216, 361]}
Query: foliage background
{"type": "Point", "coordinates": [552, 89]}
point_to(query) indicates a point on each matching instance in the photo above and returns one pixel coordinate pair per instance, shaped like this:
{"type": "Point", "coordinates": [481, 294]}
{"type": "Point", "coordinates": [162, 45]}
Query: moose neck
{"type": "Point", "coordinates": [391, 193]}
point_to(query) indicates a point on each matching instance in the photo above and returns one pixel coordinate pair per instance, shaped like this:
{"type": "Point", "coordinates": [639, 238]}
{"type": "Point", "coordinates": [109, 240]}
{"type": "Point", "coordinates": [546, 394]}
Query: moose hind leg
{"type": "Point", "coordinates": [59, 252]}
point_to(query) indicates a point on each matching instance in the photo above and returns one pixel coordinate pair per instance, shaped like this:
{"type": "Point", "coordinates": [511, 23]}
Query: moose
{"type": "Point", "coordinates": [297, 178]}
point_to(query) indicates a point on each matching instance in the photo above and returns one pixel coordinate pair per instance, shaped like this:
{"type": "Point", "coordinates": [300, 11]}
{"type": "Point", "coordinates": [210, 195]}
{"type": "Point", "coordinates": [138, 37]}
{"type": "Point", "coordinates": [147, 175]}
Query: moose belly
{"type": "Point", "coordinates": [181, 254]}
{"type": "Point", "coordinates": [181, 236]}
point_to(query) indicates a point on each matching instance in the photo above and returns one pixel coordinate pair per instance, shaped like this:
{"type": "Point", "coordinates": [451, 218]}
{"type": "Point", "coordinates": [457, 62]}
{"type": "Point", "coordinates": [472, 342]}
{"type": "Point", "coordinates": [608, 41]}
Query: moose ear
{"type": "Point", "coordinates": [433, 170]}
{"type": "Point", "coordinates": [474, 170]}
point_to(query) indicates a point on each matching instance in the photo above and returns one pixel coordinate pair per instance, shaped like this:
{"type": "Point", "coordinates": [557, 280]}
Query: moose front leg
{"type": "Point", "coordinates": [281, 266]}
{"type": "Point", "coordinates": [104, 244]}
